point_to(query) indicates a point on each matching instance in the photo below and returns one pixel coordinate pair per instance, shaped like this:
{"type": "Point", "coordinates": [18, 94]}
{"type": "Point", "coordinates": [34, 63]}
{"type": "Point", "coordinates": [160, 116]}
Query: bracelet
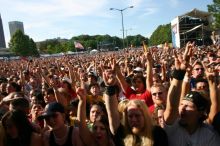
{"type": "Point", "coordinates": [179, 74]}
{"type": "Point", "coordinates": [110, 90]}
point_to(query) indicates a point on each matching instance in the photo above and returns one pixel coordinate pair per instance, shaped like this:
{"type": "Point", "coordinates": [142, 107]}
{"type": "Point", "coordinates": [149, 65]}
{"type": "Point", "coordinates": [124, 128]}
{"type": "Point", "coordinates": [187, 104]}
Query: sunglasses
{"type": "Point", "coordinates": [197, 69]}
{"type": "Point", "coordinates": [158, 93]}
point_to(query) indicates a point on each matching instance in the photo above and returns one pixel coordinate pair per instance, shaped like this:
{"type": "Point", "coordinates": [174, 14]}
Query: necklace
{"type": "Point", "coordinates": [64, 137]}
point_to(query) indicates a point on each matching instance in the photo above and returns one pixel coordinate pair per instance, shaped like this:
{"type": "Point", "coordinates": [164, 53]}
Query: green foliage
{"type": "Point", "coordinates": [161, 35]}
{"type": "Point", "coordinates": [22, 45]}
{"type": "Point", "coordinates": [89, 42]}
{"type": "Point", "coordinates": [136, 40]}
{"type": "Point", "coordinates": [215, 10]}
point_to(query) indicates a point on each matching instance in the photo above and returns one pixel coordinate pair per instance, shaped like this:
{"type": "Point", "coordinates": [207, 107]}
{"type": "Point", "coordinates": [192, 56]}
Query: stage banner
{"type": "Point", "coordinates": [175, 32]}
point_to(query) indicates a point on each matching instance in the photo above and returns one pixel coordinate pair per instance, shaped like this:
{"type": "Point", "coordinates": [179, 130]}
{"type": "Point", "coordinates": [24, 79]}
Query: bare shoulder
{"type": "Point", "coordinates": [76, 140]}
{"type": "Point", "coordinates": [45, 137]}
{"type": "Point", "coordinates": [36, 139]}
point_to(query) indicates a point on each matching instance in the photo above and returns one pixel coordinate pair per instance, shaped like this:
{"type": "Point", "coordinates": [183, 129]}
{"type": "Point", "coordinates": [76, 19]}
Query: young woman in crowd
{"type": "Point", "coordinates": [19, 130]}
{"type": "Point", "coordinates": [139, 128]}
{"type": "Point", "coordinates": [99, 135]}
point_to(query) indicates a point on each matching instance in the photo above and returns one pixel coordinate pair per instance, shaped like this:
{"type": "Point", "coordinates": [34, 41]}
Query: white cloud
{"type": "Point", "coordinates": [148, 11]}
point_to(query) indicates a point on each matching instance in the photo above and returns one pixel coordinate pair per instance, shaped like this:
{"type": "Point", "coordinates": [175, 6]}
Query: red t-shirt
{"type": "Point", "coordinates": [151, 109]}
{"type": "Point", "coordinates": [146, 96]}
{"type": "Point", "coordinates": [72, 94]}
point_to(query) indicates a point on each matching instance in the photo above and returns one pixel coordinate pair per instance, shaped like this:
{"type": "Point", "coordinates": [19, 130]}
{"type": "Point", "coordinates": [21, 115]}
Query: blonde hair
{"type": "Point", "coordinates": [121, 108]}
{"type": "Point", "coordinates": [158, 85]}
{"type": "Point", "coordinates": [146, 134]}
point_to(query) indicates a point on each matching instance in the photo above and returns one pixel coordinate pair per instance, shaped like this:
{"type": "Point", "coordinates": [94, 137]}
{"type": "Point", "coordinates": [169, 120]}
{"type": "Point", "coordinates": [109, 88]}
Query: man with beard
{"type": "Point", "coordinates": [184, 118]}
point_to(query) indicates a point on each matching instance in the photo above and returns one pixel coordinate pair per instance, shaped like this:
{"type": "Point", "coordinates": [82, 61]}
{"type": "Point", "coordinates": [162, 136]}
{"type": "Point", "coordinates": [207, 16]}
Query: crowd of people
{"type": "Point", "coordinates": [140, 97]}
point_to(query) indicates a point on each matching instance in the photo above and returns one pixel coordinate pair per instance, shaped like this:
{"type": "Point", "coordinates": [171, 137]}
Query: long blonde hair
{"type": "Point", "coordinates": [145, 137]}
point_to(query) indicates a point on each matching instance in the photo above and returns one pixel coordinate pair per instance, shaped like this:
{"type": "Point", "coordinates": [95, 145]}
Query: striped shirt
{"type": "Point", "coordinates": [203, 136]}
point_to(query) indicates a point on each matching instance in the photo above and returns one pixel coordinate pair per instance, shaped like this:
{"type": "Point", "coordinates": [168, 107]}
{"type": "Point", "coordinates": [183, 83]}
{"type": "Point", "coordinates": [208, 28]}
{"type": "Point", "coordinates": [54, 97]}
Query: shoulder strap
{"type": "Point", "coordinates": [52, 139]}
{"type": "Point", "coordinates": [69, 139]}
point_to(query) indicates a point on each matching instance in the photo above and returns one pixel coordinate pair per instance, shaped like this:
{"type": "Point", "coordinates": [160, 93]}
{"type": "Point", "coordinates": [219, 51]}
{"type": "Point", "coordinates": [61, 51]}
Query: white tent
{"type": "Point", "coordinates": [94, 51]}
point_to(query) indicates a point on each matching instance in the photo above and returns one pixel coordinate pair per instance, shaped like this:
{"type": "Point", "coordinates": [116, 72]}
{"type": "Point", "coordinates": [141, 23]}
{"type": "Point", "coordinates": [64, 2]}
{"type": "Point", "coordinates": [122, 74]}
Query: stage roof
{"type": "Point", "coordinates": [198, 14]}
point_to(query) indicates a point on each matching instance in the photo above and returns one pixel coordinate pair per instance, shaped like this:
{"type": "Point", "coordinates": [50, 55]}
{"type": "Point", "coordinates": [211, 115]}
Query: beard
{"type": "Point", "coordinates": [183, 123]}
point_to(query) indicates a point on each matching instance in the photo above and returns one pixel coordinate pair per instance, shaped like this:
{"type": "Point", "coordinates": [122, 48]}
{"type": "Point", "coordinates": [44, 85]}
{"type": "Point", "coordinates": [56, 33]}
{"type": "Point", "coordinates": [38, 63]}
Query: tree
{"type": "Point", "coordinates": [22, 45]}
{"type": "Point", "coordinates": [161, 35]}
{"type": "Point", "coordinates": [33, 48]}
{"type": "Point", "coordinates": [136, 40]}
{"type": "Point", "coordinates": [215, 10]}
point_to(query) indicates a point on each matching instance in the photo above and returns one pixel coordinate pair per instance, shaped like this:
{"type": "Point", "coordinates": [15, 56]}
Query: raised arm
{"type": "Point", "coordinates": [111, 101]}
{"type": "Point", "coordinates": [149, 79]}
{"type": "Point", "coordinates": [173, 97]}
{"type": "Point", "coordinates": [186, 83]}
{"type": "Point", "coordinates": [214, 108]}
{"type": "Point", "coordinates": [84, 132]}
{"type": "Point", "coordinates": [120, 77]}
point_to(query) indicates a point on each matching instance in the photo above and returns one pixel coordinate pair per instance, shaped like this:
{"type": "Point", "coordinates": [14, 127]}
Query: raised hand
{"type": "Point", "coordinates": [149, 56]}
{"type": "Point", "coordinates": [109, 78]}
{"type": "Point", "coordinates": [114, 65]}
{"type": "Point", "coordinates": [180, 64]}
{"type": "Point", "coordinates": [209, 72]}
{"type": "Point", "coordinates": [81, 92]}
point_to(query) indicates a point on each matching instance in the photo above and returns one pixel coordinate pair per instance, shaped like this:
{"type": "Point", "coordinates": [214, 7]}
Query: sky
{"type": "Point", "coordinates": [47, 19]}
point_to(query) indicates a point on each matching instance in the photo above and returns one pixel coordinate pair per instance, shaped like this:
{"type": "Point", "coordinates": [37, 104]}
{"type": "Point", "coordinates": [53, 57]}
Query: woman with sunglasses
{"type": "Point", "coordinates": [59, 134]}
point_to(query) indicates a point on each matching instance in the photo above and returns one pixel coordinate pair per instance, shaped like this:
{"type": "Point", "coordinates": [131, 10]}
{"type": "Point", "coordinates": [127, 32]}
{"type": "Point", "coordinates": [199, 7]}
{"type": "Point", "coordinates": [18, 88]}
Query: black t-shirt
{"type": "Point", "coordinates": [159, 136]}
{"type": "Point", "coordinates": [68, 142]}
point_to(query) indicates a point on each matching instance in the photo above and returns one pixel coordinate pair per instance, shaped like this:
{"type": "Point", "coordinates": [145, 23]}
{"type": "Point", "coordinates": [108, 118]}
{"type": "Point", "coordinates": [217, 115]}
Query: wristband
{"type": "Point", "coordinates": [179, 74]}
{"type": "Point", "coordinates": [110, 90]}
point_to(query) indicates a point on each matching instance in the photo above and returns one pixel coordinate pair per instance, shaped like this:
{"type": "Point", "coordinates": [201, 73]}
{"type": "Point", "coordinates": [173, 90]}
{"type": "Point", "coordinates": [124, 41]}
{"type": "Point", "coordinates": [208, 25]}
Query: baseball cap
{"type": "Point", "coordinates": [51, 109]}
{"type": "Point", "coordinates": [195, 97]}
{"type": "Point", "coordinates": [138, 69]}
{"type": "Point", "coordinates": [91, 74]}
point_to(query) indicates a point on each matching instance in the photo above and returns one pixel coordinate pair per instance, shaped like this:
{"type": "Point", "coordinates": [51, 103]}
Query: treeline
{"type": "Point", "coordinates": [89, 42]}
{"type": "Point", "coordinates": [22, 45]}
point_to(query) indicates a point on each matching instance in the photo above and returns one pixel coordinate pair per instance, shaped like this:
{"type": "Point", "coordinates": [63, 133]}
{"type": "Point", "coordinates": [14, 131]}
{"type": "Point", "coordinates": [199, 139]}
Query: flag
{"type": "Point", "coordinates": [78, 45]}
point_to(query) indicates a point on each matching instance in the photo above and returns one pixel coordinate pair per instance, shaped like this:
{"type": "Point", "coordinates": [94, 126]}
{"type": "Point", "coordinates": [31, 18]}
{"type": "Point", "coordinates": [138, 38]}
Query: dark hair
{"type": "Point", "coordinates": [104, 120]}
{"type": "Point", "coordinates": [20, 103]}
{"type": "Point", "coordinates": [143, 79]}
{"type": "Point", "coordinates": [50, 91]}
{"type": "Point", "coordinates": [16, 86]}
{"type": "Point", "coordinates": [100, 104]}
{"type": "Point", "coordinates": [93, 84]}
{"type": "Point", "coordinates": [40, 98]}
{"type": "Point", "coordinates": [69, 86]}
{"type": "Point", "coordinates": [23, 125]}
{"type": "Point", "coordinates": [197, 80]}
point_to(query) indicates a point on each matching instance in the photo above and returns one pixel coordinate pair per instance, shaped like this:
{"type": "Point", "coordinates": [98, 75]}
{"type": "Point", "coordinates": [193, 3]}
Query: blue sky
{"type": "Point", "coordinates": [46, 19]}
